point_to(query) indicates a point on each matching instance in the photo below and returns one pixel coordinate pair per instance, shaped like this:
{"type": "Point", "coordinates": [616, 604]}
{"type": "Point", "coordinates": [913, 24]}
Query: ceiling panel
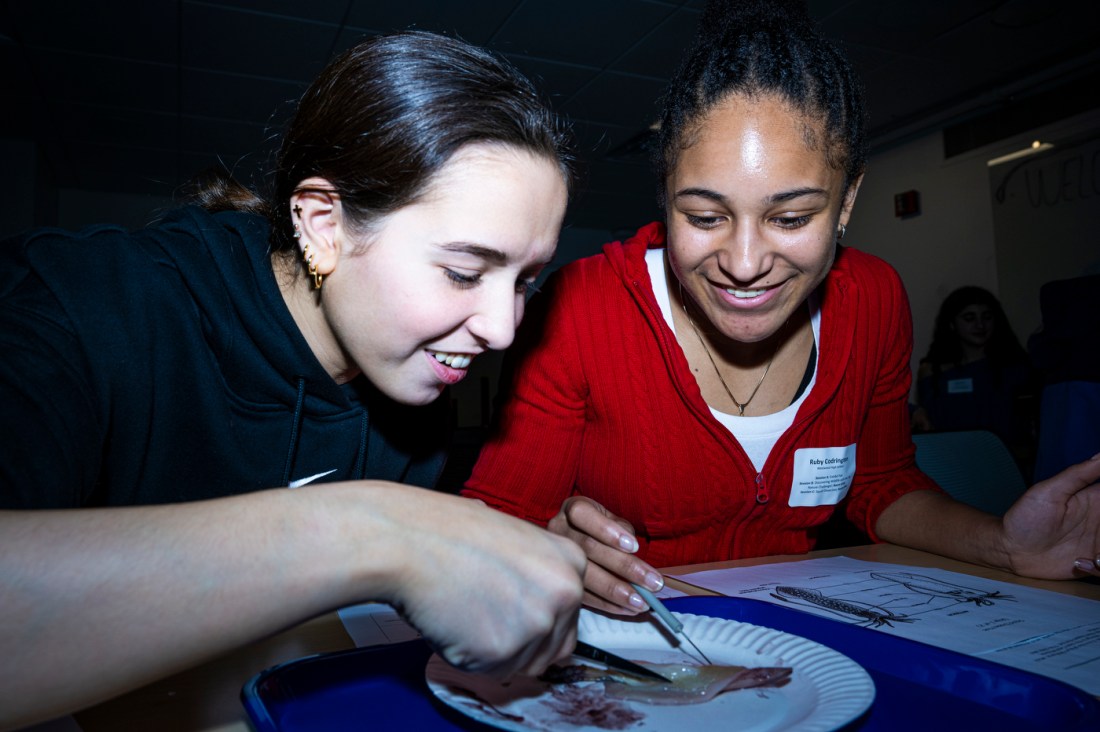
{"type": "Point", "coordinates": [332, 12]}
{"type": "Point", "coordinates": [658, 53]}
{"type": "Point", "coordinates": [82, 124]}
{"type": "Point", "coordinates": [617, 99]}
{"type": "Point", "coordinates": [61, 76]}
{"type": "Point", "coordinates": [137, 95]}
{"type": "Point", "coordinates": [580, 31]}
{"type": "Point", "coordinates": [242, 42]}
{"type": "Point", "coordinates": [128, 29]}
{"type": "Point", "coordinates": [124, 168]}
{"type": "Point", "coordinates": [224, 96]}
{"type": "Point", "coordinates": [558, 81]}
{"type": "Point", "coordinates": [595, 140]}
{"type": "Point", "coordinates": [476, 22]}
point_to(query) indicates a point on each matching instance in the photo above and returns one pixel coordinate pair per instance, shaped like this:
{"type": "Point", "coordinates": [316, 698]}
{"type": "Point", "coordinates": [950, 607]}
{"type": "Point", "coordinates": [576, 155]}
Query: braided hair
{"type": "Point", "coordinates": [765, 47]}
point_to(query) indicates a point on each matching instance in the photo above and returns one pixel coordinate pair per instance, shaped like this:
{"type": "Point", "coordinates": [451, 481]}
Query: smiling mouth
{"type": "Point", "coordinates": [745, 294]}
{"type": "Point", "coordinates": [454, 360]}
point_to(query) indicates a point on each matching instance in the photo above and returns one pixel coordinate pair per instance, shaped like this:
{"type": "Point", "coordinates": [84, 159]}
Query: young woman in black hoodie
{"type": "Point", "coordinates": [165, 386]}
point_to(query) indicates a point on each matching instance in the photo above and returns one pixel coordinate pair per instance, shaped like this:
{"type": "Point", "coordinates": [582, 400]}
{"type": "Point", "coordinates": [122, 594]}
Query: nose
{"type": "Point", "coordinates": [745, 256]}
{"type": "Point", "coordinates": [495, 320]}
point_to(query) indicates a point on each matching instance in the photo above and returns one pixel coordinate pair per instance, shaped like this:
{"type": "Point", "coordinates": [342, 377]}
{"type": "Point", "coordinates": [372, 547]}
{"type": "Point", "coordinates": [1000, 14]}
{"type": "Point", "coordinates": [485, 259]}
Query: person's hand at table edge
{"type": "Point", "coordinates": [1053, 530]}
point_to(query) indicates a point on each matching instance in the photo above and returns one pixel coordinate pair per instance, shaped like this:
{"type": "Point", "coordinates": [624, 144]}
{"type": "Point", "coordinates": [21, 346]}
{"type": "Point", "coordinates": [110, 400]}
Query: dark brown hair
{"type": "Point", "coordinates": [755, 47]}
{"type": "Point", "coordinates": [1004, 347]}
{"type": "Point", "coordinates": [385, 116]}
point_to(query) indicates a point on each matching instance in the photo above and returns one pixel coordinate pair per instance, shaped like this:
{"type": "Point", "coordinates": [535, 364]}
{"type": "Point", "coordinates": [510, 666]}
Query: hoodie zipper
{"type": "Point", "coordinates": [761, 489]}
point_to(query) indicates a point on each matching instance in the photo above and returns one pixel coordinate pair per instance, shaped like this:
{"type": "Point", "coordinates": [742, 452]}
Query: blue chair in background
{"type": "Point", "coordinates": [1069, 426]}
{"type": "Point", "coordinates": [973, 467]}
{"type": "Point", "coordinates": [1066, 350]}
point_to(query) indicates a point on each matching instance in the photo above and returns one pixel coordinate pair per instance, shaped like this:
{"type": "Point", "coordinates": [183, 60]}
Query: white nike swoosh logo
{"type": "Point", "coordinates": [310, 479]}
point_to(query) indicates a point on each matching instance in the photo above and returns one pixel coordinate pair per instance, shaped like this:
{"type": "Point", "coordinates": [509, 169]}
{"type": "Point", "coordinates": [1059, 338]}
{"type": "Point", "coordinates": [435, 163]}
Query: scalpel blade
{"type": "Point", "coordinates": [616, 662]}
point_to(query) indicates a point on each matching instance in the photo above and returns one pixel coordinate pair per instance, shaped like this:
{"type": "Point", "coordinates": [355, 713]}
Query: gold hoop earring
{"type": "Point", "coordinates": [318, 278]}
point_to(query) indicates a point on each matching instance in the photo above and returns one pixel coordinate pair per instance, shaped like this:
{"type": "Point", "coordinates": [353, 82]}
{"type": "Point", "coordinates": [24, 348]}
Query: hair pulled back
{"type": "Point", "coordinates": [382, 118]}
{"type": "Point", "coordinates": [764, 47]}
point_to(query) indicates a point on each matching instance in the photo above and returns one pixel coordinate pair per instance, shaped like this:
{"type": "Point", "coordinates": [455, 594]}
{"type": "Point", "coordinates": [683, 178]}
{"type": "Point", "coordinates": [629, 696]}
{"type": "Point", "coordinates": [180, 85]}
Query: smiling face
{"type": "Point", "coordinates": [974, 326]}
{"type": "Point", "coordinates": [412, 301]}
{"type": "Point", "coordinates": [752, 214]}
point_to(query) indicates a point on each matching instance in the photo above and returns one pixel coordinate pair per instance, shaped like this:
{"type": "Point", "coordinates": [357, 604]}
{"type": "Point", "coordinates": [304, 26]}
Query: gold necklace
{"type": "Point", "coordinates": [740, 406]}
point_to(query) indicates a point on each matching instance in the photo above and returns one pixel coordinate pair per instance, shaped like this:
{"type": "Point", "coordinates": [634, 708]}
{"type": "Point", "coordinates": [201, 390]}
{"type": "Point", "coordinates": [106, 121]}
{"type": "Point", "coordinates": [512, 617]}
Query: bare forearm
{"type": "Point", "coordinates": [936, 523]}
{"type": "Point", "coordinates": [100, 601]}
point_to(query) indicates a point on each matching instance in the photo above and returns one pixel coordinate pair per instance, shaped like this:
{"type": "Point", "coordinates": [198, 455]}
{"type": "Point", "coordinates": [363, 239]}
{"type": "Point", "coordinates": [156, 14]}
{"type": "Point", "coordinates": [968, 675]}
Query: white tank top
{"type": "Point", "coordinates": [757, 435]}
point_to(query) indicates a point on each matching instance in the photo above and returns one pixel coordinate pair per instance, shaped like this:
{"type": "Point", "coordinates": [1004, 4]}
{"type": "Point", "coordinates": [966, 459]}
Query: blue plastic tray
{"type": "Point", "coordinates": [917, 686]}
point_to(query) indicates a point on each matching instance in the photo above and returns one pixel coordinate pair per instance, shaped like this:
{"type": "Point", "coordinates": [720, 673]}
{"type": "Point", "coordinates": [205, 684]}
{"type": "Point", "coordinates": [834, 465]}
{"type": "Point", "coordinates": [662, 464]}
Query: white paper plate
{"type": "Point", "coordinates": [826, 691]}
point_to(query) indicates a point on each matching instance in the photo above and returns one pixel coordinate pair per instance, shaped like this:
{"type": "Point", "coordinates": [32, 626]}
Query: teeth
{"type": "Point", "coordinates": [454, 360]}
{"type": "Point", "coordinates": [746, 293]}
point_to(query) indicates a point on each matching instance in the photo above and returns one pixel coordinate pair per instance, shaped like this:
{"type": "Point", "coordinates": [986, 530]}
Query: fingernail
{"type": "Point", "coordinates": [1083, 564]}
{"type": "Point", "coordinates": [637, 601]}
{"type": "Point", "coordinates": [628, 543]}
{"type": "Point", "coordinates": [654, 581]}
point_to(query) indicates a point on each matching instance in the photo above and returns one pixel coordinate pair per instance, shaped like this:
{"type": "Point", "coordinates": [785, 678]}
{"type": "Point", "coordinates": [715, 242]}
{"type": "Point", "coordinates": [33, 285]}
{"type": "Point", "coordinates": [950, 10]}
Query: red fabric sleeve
{"type": "Point", "coordinates": [529, 463]}
{"type": "Point", "coordinates": [885, 452]}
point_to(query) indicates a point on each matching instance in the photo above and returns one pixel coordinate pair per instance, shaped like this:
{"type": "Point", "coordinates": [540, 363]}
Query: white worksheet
{"type": "Point", "coordinates": [1035, 630]}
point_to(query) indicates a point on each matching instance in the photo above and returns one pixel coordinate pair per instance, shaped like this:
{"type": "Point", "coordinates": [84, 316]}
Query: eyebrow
{"type": "Point", "coordinates": [493, 256]}
{"type": "Point", "coordinates": [780, 197]}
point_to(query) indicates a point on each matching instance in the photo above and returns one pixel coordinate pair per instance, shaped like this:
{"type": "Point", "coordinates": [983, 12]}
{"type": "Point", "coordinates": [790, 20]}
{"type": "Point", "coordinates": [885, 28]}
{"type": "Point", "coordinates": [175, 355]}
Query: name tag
{"type": "Point", "coordinates": [822, 475]}
{"type": "Point", "coordinates": [960, 386]}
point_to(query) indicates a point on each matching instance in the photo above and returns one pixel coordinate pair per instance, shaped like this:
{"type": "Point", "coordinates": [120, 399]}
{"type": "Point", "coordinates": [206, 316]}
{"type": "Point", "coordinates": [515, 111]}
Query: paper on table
{"type": "Point", "coordinates": [1034, 630]}
{"type": "Point", "coordinates": [666, 592]}
{"type": "Point", "coordinates": [376, 623]}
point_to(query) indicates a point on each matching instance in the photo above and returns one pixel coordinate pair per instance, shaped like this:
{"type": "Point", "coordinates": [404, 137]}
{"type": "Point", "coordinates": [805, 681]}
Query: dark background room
{"type": "Point", "coordinates": [111, 106]}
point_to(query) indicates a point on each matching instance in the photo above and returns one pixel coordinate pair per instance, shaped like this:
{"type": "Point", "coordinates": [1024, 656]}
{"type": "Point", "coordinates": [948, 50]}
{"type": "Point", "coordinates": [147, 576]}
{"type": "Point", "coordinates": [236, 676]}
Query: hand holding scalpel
{"type": "Point", "coordinates": [667, 618]}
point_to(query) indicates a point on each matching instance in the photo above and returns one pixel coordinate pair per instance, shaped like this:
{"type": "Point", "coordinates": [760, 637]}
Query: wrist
{"type": "Point", "coordinates": [376, 536]}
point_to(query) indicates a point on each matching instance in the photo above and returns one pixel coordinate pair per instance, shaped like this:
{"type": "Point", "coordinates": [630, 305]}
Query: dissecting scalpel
{"type": "Point", "coordinates": [610, 660]}
{"type": "Point", "coordinates": [667, 618]}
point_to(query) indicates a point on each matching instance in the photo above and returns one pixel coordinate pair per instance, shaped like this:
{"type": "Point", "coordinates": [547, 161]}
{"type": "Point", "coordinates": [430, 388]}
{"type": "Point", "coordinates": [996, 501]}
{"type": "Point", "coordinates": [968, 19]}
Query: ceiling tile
{"type": "Point", "coordinates": [659, 53]}
{"type": "Point", "coordinates": [100, 89]}
{"type": "Point", "coordinates": [580, 31]}
{"type": "Point", "coordinates": [265, 46]}
{"type": "Point", "coordinates": [133, 29]}
{"type": "Point", "coordinates": [110, 82]}
{"type": "Point", "coordinates": [618, 99]}
{"type": "Point", "coordinates": [232, 97]}
{"type": "Point", "coordinates": [116, 126]}
{"type": "Point", "coordinates": [108, 167]}
{"type": "Point", "coordinates": [557, 81]}
{"type": "Point", "coordinates": [899, 26]}
{"type": "Point", "coordinates": [1022, 41]}
{"type": "Point", "coordinates": [452, 18]}
{"type": "Point", "coordinates": [596, 140]}
{"type": "Point", "coordinates": [229, 140]}
{"type": "Point", "coordinates": [315, 11]}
